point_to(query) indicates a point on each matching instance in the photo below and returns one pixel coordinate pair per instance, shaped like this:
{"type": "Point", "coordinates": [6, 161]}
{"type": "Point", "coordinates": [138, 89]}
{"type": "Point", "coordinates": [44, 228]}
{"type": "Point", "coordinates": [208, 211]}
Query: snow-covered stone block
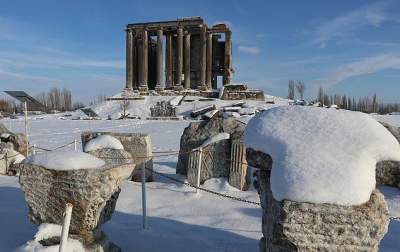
{"type": "Point", "coordinates": [321, 155]}
{"type": "Point", "coordinates": [138, 145]}
{"type": "Point", "coordinates": [92, 191]}
{"type": "Point", "coordinates": [300, 226]}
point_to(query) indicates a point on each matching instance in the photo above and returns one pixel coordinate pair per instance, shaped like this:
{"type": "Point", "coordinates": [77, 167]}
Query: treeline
{"type": "Point", "coordinates": [54, 99]}
{"type": "Point", "coordinates": [7, 105]}
{"type": "Point", "coordinates": [367, 104]}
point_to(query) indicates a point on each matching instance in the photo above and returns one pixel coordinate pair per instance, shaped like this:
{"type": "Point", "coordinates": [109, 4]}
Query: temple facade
{"type": "Point", "coordinates": [178, 55]}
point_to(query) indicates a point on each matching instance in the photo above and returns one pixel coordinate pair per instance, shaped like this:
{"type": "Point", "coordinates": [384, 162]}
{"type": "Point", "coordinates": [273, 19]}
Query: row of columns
{"type": "Point", "coordinates": [138, 52]}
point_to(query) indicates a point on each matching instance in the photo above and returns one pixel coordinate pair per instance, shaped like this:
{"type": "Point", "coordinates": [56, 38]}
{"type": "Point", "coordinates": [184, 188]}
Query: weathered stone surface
{"type": "Point", "coordinates": [215, 162]}
{"type": "Point", "coordinates": [298, 226]}
{"type": "Point", "coordinates": [197, 132]}
{"type": "Point", "coordinates": [137, 144]}
{"type": "Point", "coordinates": [93, 193]}
{"type": "Point", "coordinates": [19, 142]}
{"type": "Point", "coordinates": [388, 172]}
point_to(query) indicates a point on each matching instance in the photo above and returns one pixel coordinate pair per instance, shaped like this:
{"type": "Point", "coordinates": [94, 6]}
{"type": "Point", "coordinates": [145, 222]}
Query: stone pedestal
{"type": "Point", "coordinates": [93, 193]}
{"type": "Point", "coordinates": [299, 226]}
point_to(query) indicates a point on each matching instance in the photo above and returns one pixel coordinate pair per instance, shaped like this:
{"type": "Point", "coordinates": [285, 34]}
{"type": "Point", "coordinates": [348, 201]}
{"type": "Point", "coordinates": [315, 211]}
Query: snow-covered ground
{"type": "Point", "coordinates": [179, 219]}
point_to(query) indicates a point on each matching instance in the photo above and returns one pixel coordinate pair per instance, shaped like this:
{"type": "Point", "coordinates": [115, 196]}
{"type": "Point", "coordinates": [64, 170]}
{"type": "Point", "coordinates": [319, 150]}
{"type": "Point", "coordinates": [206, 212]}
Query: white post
{"type": "Point", "coordinates": [26, 127]}
{"type": "Point", "coordinates": [144, 195]}
{"type": "Point", "coordinates": [199, 169]}
{"type": "Point", "coordinates": [75, 146]}
{"type": "Point", "coordinates": [34, 149]}
{"type": "Point", "coordinates": [65, 228]}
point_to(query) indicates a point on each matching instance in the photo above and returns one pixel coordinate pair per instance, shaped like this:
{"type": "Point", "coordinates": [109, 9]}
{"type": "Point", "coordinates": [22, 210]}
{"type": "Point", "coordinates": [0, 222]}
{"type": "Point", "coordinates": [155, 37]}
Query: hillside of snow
{"type": "Point", "coordinates": [179, 219]}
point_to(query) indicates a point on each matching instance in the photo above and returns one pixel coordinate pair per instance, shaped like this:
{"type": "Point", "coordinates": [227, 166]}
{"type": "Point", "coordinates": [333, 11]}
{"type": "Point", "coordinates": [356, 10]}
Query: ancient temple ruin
{"type": "Point", "coordinates": [195, 55]}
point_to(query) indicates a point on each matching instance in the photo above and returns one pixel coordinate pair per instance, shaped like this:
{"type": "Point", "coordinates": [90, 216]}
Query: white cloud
{"type": "Point", "coordinates": [254, 50]}
{"type": "Point", "coordinates": [362, 67]}
{"type": "Point", "coordinates": [343, 26]}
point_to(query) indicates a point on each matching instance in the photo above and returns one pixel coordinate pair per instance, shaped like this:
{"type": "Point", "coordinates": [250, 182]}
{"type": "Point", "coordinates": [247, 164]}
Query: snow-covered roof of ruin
{"type": "Point", "coordinates": [321, 155]}
{"type": "Point", "coordinates": [65, 160]}
{"type": "Point", "coordinates": [103, 142]}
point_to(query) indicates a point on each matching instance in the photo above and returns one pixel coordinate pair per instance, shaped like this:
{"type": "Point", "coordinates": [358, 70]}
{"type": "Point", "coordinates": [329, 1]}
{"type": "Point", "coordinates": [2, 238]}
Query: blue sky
{"type": "Point", "coordinates": [350, 47]}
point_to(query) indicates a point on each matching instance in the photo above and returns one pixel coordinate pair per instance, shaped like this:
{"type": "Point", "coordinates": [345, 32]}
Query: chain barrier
{"type": "Point", "coordinates": [161, 154]}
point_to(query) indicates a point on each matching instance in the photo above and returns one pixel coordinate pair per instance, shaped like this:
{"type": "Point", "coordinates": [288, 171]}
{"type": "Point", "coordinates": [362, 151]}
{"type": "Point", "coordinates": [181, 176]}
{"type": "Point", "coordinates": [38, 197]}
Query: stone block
{"type": "Point", "coordinates": [300, 226]}
{"type": "Point", "coordinates": [137, 144]}
{"type": "Point", "coordinates": [93, 193]}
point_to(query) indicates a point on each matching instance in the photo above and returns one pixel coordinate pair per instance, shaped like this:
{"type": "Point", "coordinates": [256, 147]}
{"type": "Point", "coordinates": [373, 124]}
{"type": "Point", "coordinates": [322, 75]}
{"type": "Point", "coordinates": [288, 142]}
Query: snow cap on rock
{"type": "Point", "coordinates": [321, 155]}
{"type": "Point", "coordinates": [102, 142]}
{"type": "Point", "coordinates": [65, 160]}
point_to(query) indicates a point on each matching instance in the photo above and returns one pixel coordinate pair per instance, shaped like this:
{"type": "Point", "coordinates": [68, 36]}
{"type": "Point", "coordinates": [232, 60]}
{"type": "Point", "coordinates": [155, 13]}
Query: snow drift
{"type": "Point", "coordinates": [321, 155]}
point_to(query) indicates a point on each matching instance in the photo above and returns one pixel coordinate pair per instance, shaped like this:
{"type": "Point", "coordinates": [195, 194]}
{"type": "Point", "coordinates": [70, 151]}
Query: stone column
{"type": "Point", "coordinates": [159, 59]}
{"type": "Point", "coordinates": [228, 58]}
{"type": "Point", "coordinates": [135, 61]}
{"type": "Point", "coordinates": [129, 59]}
{"type": "Point", "coordinates": [203, 48]}
{"type": "Point", "coordinates": [209, 60]}
{"type": "Point", "coordinates": [179, 60]}
{"type": "Point", "coordinates": [187, 61]}
{"type": "Point", "coordinates": [238, 166]}
{"type": "Point", "coordinates": [144, 62]}
{"type": "Point", "coordinates": [168, 62]}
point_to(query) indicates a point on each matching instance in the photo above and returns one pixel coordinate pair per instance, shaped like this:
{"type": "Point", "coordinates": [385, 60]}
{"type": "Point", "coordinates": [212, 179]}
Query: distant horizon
{"type": "Point", "coordinates": [350, 48]}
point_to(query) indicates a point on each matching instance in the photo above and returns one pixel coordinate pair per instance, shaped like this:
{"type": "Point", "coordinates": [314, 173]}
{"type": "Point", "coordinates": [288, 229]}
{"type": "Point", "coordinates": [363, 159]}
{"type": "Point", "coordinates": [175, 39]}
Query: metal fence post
{"type": "Point", "coordinates": [199, 169]}
{"type": "Point", "coordinates": [6, 157]}
{"type": "Point", "coordinates": [144, 195]}
{"type": "Point", "coordinates": [75, 145]}
{"type": "Point", "coordinates": [34, 149]}
{"type": "Point", "coordinates": [65, 227]}
{"type": "Point", "coordinates": [26, 127]}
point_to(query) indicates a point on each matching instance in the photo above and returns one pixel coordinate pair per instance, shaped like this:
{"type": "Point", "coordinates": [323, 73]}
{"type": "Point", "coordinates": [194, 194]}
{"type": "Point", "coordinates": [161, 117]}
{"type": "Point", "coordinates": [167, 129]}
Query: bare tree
{"type": "Point", "coordinates": [291, 90]}
{"type": "Point", "coordinates": [321, 96]}
{"type": "Point", "coordinates": [300, 86]}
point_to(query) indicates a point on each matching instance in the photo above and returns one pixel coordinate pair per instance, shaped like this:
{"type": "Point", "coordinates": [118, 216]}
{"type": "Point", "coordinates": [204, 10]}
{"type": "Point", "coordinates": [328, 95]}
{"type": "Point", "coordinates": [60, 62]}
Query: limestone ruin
{"type": "Point", "coordinates": [137, 149]}
{"type": "Point", "coordinates": [93, 193]}
{"type": "Point", "coordinates": [299, 226]}
{"type": "Point", "coordinates": [195, 54]}
{"type": "Point", "coordinates": [225, 158]}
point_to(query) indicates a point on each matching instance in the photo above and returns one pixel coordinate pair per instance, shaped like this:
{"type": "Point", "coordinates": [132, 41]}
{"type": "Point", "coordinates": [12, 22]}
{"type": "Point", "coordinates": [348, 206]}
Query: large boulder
{"type": "Point", "coordinates": [300, 226]}
{"type": "Point", "coordinates": [93, 193]}
{"type": "Point", "coordinates": [198, 132]}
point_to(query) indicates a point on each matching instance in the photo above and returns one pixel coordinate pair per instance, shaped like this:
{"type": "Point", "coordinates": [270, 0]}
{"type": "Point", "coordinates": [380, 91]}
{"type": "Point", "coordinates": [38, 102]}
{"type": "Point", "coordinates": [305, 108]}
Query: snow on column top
{"type": "Point", "coordinates": [102, 142]}
{"type": "Point", "coordinates": [65, 160]}
{"type": "Point", "coordinates": [321, 155]}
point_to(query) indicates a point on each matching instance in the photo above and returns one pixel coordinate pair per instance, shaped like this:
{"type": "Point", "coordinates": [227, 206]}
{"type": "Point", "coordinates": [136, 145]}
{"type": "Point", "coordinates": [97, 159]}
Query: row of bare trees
{"type": "Point", "coordinates": [294, 86]}
{"type": "Point", "coordinates": [56, 99]}
{"type": "Point", "coordinates": [367, 104]}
